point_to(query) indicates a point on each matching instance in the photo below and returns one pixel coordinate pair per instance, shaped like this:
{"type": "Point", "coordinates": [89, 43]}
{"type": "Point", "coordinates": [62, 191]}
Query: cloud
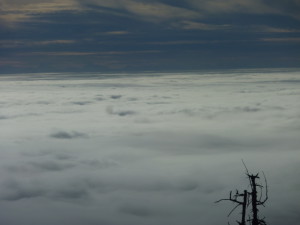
{"type": "Point", "coordinates": [138, 210]}
{"type": "Point", "coordinates": [166, 165]}
{"type": "Point", "coordinates": [28, 43]}
{"type": "Point", "coordinates": [81, 102]}
{"type": "Point", "coordinates": [231, 6]}
{"type": "Point", "coordinates": [19, 11]}
{"type": "Point", "coordinates": [68, 135]}
{"type": "Point", "coordinates": [99, 98]}
{"type": "Point", "coordinates": [51, 165]}
{"type": "Point", "coordinates": [100, 164]}
{"type": "Point", "coordinates": [117, 32]}
{"type": "Point", "coordinates": [91, 53]}
{"type": "Point", "coordinates": [60, 53]}
{"type": "Point", "coordinates": [40, 166]}
{"type": "Point", "coordinates": [111, 111]}
{"type": "Point", "coordinates": [70, 193]}
{"type": "Point", "coordinates": [16, 191]}
{"type": "Point", "coordinates": [271, 29]}
{"type": "Point", "coordinates": [281, 39]}
{"type": "Point", "coordinates": [191, 25]}
{"type": "Point", "coordinates": [248, 109]}
{"type": "Point", "coordinates": [115, 96]}
{"type": "Point", "coordinates": [12, 63]}
{"type": "Point", "coordinates": [156, 10]}
{"type": "Point", "coordinates": [3, 117]}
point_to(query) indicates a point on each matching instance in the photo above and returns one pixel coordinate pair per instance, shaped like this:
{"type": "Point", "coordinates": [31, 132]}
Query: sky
{"type": "Point", "coordinates": [146, 149]}
{"type": "Point", "coordinates": [138, 112]}
{"type": "Point", "coordinates": [147, 35]}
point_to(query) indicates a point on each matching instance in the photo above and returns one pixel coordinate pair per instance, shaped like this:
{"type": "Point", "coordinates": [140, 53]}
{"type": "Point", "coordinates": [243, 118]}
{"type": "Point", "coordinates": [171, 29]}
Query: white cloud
{"type": "Point", "coordinates": [190, 25]}
{"type": "Point", "coordinates": [16, 11]}
{"type": "Point", "coordinates": [158, 163]}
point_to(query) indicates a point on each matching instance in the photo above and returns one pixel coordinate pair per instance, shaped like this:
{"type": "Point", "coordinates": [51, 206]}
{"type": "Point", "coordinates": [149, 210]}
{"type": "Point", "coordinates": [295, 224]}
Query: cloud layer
{"type": "Point", "coordinates": [145, 149]}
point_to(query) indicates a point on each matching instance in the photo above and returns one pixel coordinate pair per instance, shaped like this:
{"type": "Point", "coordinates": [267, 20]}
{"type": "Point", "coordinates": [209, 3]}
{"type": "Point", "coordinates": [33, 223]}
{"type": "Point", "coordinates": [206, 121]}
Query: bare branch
{"type": "Point", "coordinates": [255, 197]}
{"type": "Point", "coordinates": [228, 199]}
{"type": "Point", "coordinates": [245, 167]}
{"type": "Point", "coordinates": [263, 202]}
{"type": "Point", "coordinates": [232, 210]}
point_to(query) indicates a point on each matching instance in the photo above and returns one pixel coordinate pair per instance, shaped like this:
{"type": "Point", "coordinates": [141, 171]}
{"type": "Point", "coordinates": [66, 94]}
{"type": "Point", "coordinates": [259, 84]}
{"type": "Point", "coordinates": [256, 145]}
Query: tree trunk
{"type": "Point", "coordinates": [254, 201]}
{"type": "Point", "coordinates": [244, 207]}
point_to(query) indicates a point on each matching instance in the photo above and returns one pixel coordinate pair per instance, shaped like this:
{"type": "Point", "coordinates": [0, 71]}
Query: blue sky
{"type": "Point", "coordinates": [144, 35]}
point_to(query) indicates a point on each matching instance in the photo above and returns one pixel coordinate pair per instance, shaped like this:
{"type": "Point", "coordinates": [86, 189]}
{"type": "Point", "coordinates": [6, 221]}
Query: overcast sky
{"type": "Point", "coordinates": [140, 35]}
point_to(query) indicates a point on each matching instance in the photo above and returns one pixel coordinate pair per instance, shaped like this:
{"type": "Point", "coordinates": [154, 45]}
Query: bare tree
{"type": "Point", "coordinates": [256, 197]}
{"type": "Point", "coordinates": [235, 198]}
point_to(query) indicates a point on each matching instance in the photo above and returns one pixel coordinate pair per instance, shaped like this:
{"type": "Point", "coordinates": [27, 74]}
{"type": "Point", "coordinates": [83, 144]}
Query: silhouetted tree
{"type": "Point", "coordinates": [256, 197]}
{"type": "Point", "coordinates": [235, 198]}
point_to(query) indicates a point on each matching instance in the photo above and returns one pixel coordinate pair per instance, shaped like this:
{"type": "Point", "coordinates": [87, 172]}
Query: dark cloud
{"type": "Point", "coordinates": [14, 191]}
{"type": "Point", "coordinates": [51, 165]}
{"type": "Point", "coordinates": [68, 135]}
{"type": "Point", "coordinates": [248, 109]}
{"type": "Point", "coordinates": [20, 194]}
{"type": "Point", "coordinates": [115, 96]}
{"type": "Point", "coordinates": [81, 102]}
{"type": "Point", "coordinates": [20, 190]}
{"type": "Point", "coordinates": [148, 35]}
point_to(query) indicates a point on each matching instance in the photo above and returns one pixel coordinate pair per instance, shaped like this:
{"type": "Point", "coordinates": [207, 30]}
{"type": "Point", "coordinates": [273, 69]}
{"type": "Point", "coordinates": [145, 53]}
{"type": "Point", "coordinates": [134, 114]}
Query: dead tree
{"type": "Point", "coordinates": [235, 198]}
{"type": "Point", "coordinates": [257, 196]}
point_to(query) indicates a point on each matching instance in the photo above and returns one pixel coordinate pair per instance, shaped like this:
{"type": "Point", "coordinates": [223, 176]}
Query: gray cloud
{"type": "Point", "coordinates": [99, 164]}
{"type": "Point", "coordinates": [99, 99]}
{"type": "Point", "coordinates": [19, 190]}
{"type": "Point", "coordinates": [138, 210]}
{"type": "Point", "coordinates": [81, 102]}
{"type": "Point", "coordinates": [115, 96]}
{"type": "Point", "coordinates": [111, 111]}
{"type": "Point", "coordinates": [51, 165]}
{"type": "Point", "coordinates": [68, 135]}
{"type": "Point", "coordinates": [44, 102]}
{"type": "Point", "coordinates": [248, 109]}
{"type": "Point", "coordinates": [22, 193]}
{"type": "Point", "coordinates": [70, 193]}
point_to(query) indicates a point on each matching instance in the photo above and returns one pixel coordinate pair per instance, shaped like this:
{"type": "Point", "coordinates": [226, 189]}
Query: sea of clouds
{"type": "Point", "coordinates": [146, 149]}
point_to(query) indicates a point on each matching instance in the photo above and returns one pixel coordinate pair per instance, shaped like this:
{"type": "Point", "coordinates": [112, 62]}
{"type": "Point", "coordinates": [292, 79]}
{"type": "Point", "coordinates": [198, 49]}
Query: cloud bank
{"type": "Point", "coordinates": [155, 149]}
